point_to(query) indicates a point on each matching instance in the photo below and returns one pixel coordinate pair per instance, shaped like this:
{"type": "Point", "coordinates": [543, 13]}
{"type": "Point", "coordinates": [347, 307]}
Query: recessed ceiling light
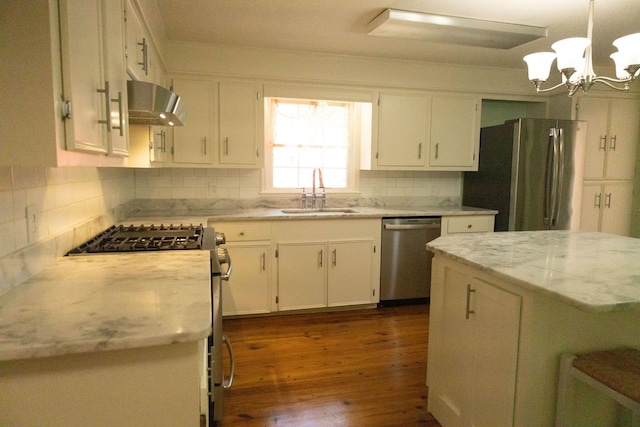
{"type": "Point", "coordinates": [452, 29]}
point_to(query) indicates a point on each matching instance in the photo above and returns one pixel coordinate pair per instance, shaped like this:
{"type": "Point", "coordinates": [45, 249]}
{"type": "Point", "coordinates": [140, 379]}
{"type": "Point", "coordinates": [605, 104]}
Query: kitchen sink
{"type": "Point", "coordinates": [319, 211]}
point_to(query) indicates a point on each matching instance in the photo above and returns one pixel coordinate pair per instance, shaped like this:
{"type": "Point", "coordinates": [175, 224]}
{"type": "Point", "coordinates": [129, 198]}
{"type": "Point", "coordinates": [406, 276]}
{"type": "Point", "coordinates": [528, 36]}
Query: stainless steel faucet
{"type": "Point", "coordinates": [320, 185]}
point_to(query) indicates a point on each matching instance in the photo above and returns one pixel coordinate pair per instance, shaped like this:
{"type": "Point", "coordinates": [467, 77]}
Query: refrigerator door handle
{"type": "Point", "coordinates": [550, 174]}
{"type": "Point", "coordinates": [559, 176]}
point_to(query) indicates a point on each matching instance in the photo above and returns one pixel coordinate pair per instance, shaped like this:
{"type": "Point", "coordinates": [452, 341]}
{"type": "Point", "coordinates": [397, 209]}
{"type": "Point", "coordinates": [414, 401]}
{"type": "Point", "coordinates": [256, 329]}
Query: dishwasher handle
{"type": "Point", "coordinates": [431, 225]}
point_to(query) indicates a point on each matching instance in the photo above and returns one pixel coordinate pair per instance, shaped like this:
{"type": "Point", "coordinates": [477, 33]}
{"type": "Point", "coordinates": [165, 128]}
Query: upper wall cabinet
{"type": "Point", "coordinates": [421, 131]}
{"type": "Point", "coordinates": [193, 142]}
{"type": "Point", "coordinates": [455, 132]}
{"type": "Point", "coordinates": [612, 136]}
{"type": "Point", "coordinates": [68, 94]}
{"type": "Point", "coordinates": [241, 124]}
{"type": "Point", "coordinates": [143, 62]}
{"type": "Point", "coordinates": [94, 83]}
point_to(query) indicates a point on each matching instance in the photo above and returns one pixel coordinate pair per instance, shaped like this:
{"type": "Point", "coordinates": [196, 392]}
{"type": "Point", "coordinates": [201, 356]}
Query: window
{"type": "Point", "coordinates": [302, 135]}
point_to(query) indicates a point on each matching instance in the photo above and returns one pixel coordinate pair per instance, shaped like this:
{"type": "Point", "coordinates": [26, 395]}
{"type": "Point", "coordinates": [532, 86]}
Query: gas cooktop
{"type": "Point", "coordinates": [134, 238]}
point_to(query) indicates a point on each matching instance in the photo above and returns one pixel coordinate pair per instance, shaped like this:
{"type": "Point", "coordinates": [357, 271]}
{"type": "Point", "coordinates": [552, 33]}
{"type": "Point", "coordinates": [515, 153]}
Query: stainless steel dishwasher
{"type": "Point", "coordinates": [405, 272]}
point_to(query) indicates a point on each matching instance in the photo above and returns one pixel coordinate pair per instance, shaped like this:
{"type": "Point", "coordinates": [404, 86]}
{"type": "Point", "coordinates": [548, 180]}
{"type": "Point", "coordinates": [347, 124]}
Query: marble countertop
{"type": "Point", "coordinates": [107, 302]}
{"type": "Point", "coordinates": [261, 214]}
{"type": "Point", "coordinates": [595, 272]}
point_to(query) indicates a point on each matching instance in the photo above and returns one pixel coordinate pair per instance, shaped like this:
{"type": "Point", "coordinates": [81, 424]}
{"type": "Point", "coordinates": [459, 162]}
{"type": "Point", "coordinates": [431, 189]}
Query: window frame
{"type": "Point", "coordinates": [355, 140]}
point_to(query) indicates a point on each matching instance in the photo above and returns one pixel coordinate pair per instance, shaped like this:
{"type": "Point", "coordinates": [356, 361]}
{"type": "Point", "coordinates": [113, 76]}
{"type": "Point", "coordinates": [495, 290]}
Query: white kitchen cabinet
{"type": "Point", "coordinates": [612, 136]}
{"type": "Point", "coordinates": [403, 130]}
{"type": "Point", "coordinates": [418, 130]}
{"type": "Point", "coordinates": [247, 291]}
{"type": "Point", "coordinates": [160, 144]}
{"type": "Point", "coordinates": [148, 386]}
{"type": "Point", "coordinates": [467, 224]}
{"type": "Point", "coordinates": [473, 349]}
{"type": "Point", "coordinates": [63, 64]}
{"type": "Point", "coordinates": [94, 82]}
{"type": "Point", "coordinates": [455, 132]}
{"type": "Point", "coordinates": [326, 263]}
{"type": "Point", "coordinates": [350, 274]}
{"type": "Point", "coordinates": [193, 142]}
{"type": "Point", "coordinates": [302, 275]}
{"type": "Point", "coordinates": [606, 207]}
{"type": "Point", "coordinates": [241, 124]}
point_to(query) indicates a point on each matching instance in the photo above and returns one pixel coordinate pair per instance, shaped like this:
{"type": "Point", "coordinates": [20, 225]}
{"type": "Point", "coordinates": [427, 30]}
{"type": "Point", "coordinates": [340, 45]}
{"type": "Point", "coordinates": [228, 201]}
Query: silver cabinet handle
{"type": "Point", "coordinates": [227, 383]}
{"type": "Point", "coordinates": [120, 126]}
{"type": "Point", "coordinates": [612, 143]}
{"type": "Point", "coordinates": [603, 142]}
{"type": "Point", "coordinates": [204, 146]}
{"type": "Point", "coordinates": [598, 200]}
{"type": "Point", "coordinates": [335, 257]}
{"type": "Point", "coordinates": [264, 261]}
{"type": "Point", "coordinates": [144, 62]}
{"type": "Point", "coordinates": [107, 104]}
{"type": "Point", "coordinates": [226, 146]}
{"type": "Point", "coordinates": [607, 200]}
{"type": "Point", "coordinates": [420, 150]}
{"type": "Point", "coordinates": [321, 254]}
{"type": "Point", "coordinates": [469, 291]}
{"type": "Point", "coordinates": [437, 150]}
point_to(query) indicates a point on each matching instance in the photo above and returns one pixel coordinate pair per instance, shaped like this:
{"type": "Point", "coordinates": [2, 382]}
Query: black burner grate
{"type": "Point", "coordinates": [134, 238]}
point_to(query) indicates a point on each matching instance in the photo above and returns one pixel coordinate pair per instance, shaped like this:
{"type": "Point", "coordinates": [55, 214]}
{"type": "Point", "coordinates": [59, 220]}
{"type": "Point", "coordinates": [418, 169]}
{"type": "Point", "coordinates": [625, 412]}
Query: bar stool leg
{"type": "Point", "coordinates": [565, 392]}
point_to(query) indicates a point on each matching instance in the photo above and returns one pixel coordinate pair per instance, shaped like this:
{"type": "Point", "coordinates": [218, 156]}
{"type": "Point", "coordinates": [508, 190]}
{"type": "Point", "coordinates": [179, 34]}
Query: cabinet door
{"type": "Point", "coordinates": [591, 206]}
{"type": "Point", "coordinates": [473, 349]}
{"type": "Point", "coordinates": [595, 112]}
{"type": "Point", "coordinates": [302, 275]}
{"type": "Point", "coordinates": [616, 208]}
{"type": "Point", "coordinates": [403, 129]}
{"type": "Point", "coordinates": [350, 273]}
{"type": "Point", "coordinates": [623, 139]}
{"type": "Point", "coordinates": [496, 321]}
{"type": "Point", "coordinates": [137, 45]}
{"type": "Point", "coordinates": [83, 77]}
{"type": "Point", "coordinates": [161, 144]}
{"type": "Point", "coordinates": [451, 348]}
{"type": "Point", "coordinates": [241, 110]}
{"type": "Point", "coordinates": [192, 142]}
{"type": "Point", "coordinates": [455, 133]}
{"type": "Point", "coordinates": [247, 291]}
{"type": "Point", "coordinates": [116, 75]}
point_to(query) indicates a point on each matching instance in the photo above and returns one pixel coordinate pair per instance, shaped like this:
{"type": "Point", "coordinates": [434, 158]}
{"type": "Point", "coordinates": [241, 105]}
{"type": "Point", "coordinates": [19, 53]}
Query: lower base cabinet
{"type": "Point", "coordinates": [473, 350]}
{"type": "Point", "coordinates": [247, 291]}
{"type": "Point", "coordinates": [607, 207]}
{"type": "Point", "coordinates": [150, 386]}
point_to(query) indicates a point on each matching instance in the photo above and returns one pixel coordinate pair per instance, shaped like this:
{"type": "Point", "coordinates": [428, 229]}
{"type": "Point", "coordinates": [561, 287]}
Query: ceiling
{"type": "Point", "coordinates": [340, 26]}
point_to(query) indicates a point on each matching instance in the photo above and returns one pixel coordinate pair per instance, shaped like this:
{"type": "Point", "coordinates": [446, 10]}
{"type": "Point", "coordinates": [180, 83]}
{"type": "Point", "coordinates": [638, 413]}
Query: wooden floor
{"type": "Point", "coordinates": [347, 368]}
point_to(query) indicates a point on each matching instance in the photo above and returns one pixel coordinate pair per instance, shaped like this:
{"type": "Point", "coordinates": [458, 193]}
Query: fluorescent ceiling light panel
{"type": "Point", "coordinates": [452, 29]}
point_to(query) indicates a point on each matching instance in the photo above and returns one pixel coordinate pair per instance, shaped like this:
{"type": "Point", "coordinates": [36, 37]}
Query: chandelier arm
{"type": "Point", "coordinates": [538, 89]}
{"type": "Point", "coordinates": [605, 79]}
{"type": "Point", "coordinates": [605, 82]}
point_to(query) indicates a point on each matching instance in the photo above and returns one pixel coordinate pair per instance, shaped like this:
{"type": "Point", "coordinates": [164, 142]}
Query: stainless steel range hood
{"type": "Point", "coordinates": [150, 104]}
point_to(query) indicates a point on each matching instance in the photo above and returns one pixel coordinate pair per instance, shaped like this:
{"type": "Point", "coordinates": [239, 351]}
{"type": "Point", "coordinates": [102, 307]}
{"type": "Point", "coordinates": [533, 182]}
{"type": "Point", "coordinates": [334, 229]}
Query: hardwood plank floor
{"type": "Point", "coordinates": [346, 368]}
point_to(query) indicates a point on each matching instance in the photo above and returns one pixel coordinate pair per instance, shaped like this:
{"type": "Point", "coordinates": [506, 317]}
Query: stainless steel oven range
{"type": "Point", "coordinates": [130, 238]}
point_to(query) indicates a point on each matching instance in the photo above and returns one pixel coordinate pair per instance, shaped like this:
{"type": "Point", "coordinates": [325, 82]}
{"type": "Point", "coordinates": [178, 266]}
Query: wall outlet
{"type": "Point", "coordinates": [213, 189]}
{"type": "Point", "coordinates": [33, 217]}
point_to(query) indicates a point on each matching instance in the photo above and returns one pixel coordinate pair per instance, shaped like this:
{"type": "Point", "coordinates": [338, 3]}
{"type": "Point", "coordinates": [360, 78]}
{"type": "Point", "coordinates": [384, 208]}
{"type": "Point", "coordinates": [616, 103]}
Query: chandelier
{"type": "Point", "coordinates": [574, 61]}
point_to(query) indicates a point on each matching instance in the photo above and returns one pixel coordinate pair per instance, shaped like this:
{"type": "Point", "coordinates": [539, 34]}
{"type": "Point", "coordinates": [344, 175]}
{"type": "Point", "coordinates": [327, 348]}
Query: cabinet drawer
{"type": "Point", "coordinates": [467, 224]}
{"type": "Point", "coordinates": [244, 231]}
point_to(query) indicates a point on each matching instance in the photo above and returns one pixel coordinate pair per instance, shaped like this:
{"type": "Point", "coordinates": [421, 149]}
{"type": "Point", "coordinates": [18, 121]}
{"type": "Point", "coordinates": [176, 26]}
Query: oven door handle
{"type": "Point", "coordinates": [227, 383]}
{"type": "Point", "coordinates": [227, 260]}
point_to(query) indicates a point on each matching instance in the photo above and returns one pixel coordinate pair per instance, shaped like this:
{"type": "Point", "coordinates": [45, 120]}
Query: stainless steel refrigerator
{"type": "Point", "coordinates": [530, 171]}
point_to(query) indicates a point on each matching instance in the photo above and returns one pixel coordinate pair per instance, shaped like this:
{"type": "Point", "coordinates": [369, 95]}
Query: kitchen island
{"type": "Point", "coordinates": [505, 306]}
{"type": "Point", "coordinates": [114, 339]}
